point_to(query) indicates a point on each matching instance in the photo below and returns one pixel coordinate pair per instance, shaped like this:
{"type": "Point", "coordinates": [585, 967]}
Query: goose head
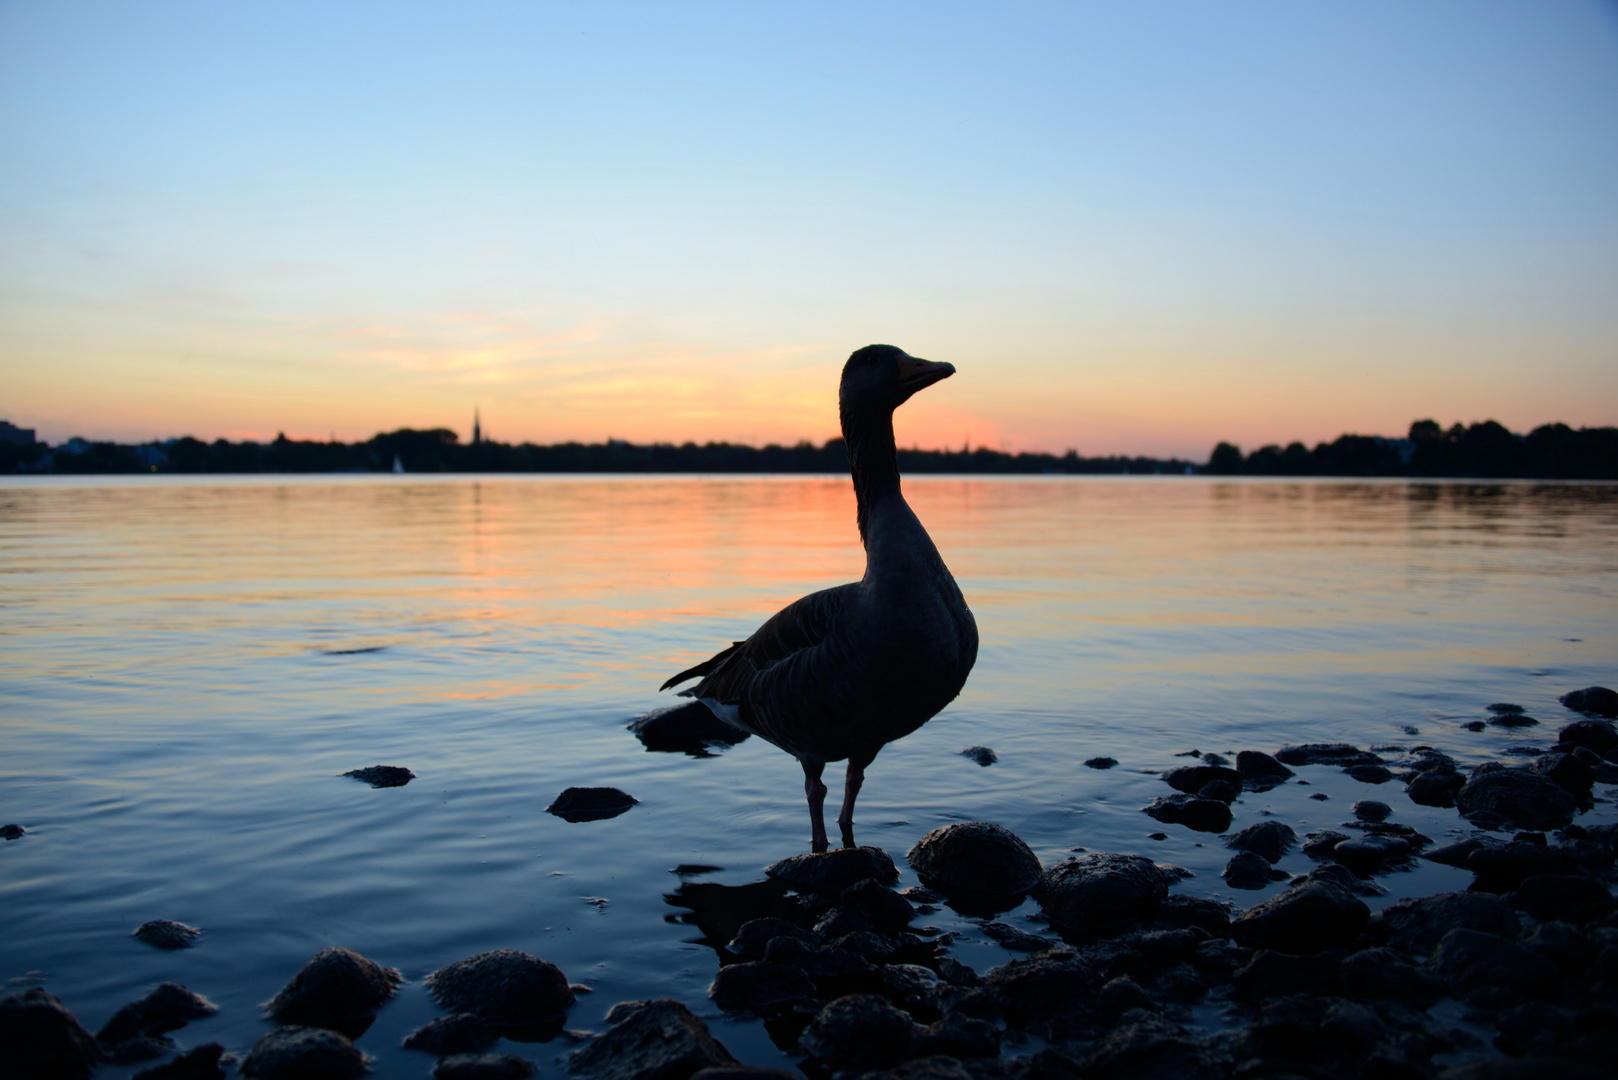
{"type": "Point", "coordinates": [879, 378]}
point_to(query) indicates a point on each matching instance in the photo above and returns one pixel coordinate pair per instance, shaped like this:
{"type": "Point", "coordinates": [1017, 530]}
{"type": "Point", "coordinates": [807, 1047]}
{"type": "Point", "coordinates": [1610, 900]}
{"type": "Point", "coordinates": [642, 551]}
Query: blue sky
{"type": "Point", "coordinates": [1132, 227]}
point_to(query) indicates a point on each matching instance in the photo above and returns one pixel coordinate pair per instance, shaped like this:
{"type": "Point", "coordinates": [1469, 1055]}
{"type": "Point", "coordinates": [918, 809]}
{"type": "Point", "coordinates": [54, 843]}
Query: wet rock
{"type": "Point", "coordinates": [1269, 839]}
{"type": "Point", "coordinates": [304, 1053]}
{"type": "Point", "coordinates": [1383, 974]}
{"type": "Point", "coordinates": [1193, 778]}
{"type": "Point", "coordinates": [168, 1007]}
{"type": "Point", "coordinates": [1562, 944]}
{"type": "Point", "coordinates": [1371, 810]}
{"type": "Point", "coordinates": [1101, 762]}
{"type": "Point", "coordinates": [975, 859]}
{"type": "Point", "coordinates": [958, 1036]}
{"type": "Point", "coordinates": [1271, 974]}
{"type": "Point", "coordinates": [140, 1048]}
{"type": "Point", "coordinates": [1303, 919]}
{"type": "Point", "coordinates": [1513, 720]}
{"type": "Point", "coordinates": [1370, 854]}
{"type": "Point", "coordinates": [1259, 771]}
{"type": "Point", "coordinates": [1042, 986]}
{"type": "Point", "coordinates": [1474, 725]}
{"type": "Point", "coordinates": [1531, 1068]}
{"type": "Point", "coordinates": [165, 934]}
{"type": "Point", "coordinates": [1152, 1047]}
{"type": "Point", "coordinates": [1568, 772]}
{"type": "Point", "coordinates": [1319, 845]}
{"type": "Point", "coordinates": [203, 1062]}
{"type": "Point", "coordinates": [1435, 787]}
{"type": "Point", "coordinates": [12, 832]}
{"type": "Point", "coordinates": [1458, 853]}
{"type": "Point", "coordinates": [1202, 815]}
{"type": "Point", "coordinates": [1501, 868]}
{"type": "Point", "coordinates": [505, 987]}
{"type": "Point", "coordinates": [956, 973]}
{"type": "Point", "coordinates": [755, 936]}
{"type": "Point", "coordinates": [883, 908]}
{"type": "Point", "coordinates": [747, 1072]}
{"type": "Point", "coordinates": [1470, 958]}
{"type": "Point", "coordinates": [650, 1040]}
{"type": "Point", "coordinates": [1341, 877]}
{"type": "Point", "coordinates": [338, 989]}
{"type": "Point", "coordinates": [1418, 925]}
{"type": "Point", "coordinates": [483, 1067]}
{"type": "Point", "coordinates": [1195, 911]}
{"type": "Point", "coordinates": [1592, 700]}
{"type": "Point", "coordinates": [1221, 790]}
{"type": "Point", "coordinates": [1369, 774]}
{"type": "Point", "coordinates": [459, 1033]}
{"type": "Point", "coordinates": [1558, 896]}
{"type": "Point", "coordinates": [1598, 736]}
{"type": "Point", "coordinates": [1534, 1027]}
{"type": "Point", "coordinates": [760, 986]}
{"type": "Point", "coordinates": [980, 755]}
{"type": "Point", "coordinates": [1341, 754]}
{"type": "Point", "coordinates": [40, 1038]}
{"type": "Point", "coordinates": [1517, 797]}
{"type": "Point", "coordinates": [1325, 1032]}
{"type": "Point", "coordinates": [1601, 770]}
{"type": "Point", "coordinates": [1122, 994]}
{"type": "Point", "coordinates": [818, 962]}
{"type": "Point", "coordinates": [381, 776]}
{"type": "Point", "coordinates": [830, 872]}
{"type": "Point", "coordinates": [577, 804]}
{"type": "Point", "coordinates": [1248, 870]}
{"type": "Point", "coordinates": [1101, 889]}
{"type": "Point", "coordinates": [1500, 708]}
{"type": "Point", "coordinates": [685, 729]}
{"type": "Point", "coordinates": [859, 1030]}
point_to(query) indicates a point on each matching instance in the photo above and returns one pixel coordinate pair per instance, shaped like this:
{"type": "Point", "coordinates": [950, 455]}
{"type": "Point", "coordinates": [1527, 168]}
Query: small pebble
{"type": "Point", "coordinates": [982, 755]}
{"type": "Point", "coordinates": [1319, 796]}
{"type": "Point", "coordinates": [1371, 810]}
{"type": "Point", "coordinates": [12, 832]}
{"type": "Point", "coordinates": [1101, 762]}
{"type": "Point", "coordinates": [166, 934]}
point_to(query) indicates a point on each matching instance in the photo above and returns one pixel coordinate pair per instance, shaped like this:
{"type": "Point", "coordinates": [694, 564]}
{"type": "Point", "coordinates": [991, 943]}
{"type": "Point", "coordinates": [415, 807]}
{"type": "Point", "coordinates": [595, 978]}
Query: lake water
{"type": "Point", "coordinates": [188, 664]}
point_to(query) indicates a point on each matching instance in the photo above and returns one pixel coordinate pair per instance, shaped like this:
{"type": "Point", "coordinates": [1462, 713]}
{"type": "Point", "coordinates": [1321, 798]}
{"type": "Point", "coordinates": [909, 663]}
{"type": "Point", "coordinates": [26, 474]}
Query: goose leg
{"type": "Point", "coordinates": [816, 791]}
{"type": "Point", "coordinates": [852, 781]}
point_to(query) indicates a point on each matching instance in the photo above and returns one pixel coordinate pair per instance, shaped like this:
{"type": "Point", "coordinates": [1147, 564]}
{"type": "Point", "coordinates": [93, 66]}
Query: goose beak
{"type": "Point", "coordinates": [917, 374]}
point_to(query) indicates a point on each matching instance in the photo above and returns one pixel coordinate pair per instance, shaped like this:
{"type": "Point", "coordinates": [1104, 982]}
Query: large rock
{"type": "Point", "coordinates": [975, 857]}
{"type": "Point", "coordinates": [650, 1040]}
{"type": "Point", "coordinates": [1594, 700]}
{"type": "Point", "coordinates": [483, 1067]}
{"type": "Point", "coordinates": [1518, 797]}
{"type": "Point", "coordinates": [1304, 919]}
{"type": "Point", "coordinates": [1596, 735]}
{"type": "Point", "coordinates": [1152, 1047]}
{"type": "Point", "coordinates": [1101, 889]}
{"type": "Point", "coordinates": [1559, 896]}
{"type": "Point", "coordinates": [861, 1031]}
{"type": "Point", "coordinates": [1383, 974]}
{"type": "Point", "coordinates": [1468, 959]}
{"type": "Point", "coordinates": [338, 989]}
{"type": "Point", "coordinates": [1270, 839]}
{"type": "Point", "coordinates": [459, 1033]}
{"type": "Point", "coordinates": [835, 870]}
{"type": "Point", "coordinates": [1574, 776]}
{"type": "Point", "coordinates": [1042, 986]}
{"type": "Point", "coordinates": [760, 986]}
{"type": "Point", "coordinates": [41, 1040]}
{"type": "Point", "coordinates": [198, 1063]}
{"type": "Point", "coordinates": [1501, 868]}
{"type": "Point", "coordinates": [304, 1053]}
{"type": "Point", "coordinates": [1418, 925]}
{"type": "Point", "coordinates": [1202, 815]}
{"type": "Point", "coordinates": [166, 1008]}
{"type": "Point", "coordinates": [1249, 870]}
{"type": "Point", "coordinates": [1342, 754]}
{"type": "Point", "coordinates": [878, 905]}
{"type": "Point", "coordinates": [577, 804]}
{"type": "Point", "coordinates": [1193, 778]}
{"type": "Point", "coordinates": [1435, 787]}
{"type": "Point", "coordinates": [505, 987]}
{"type": "Point", "coordinates": [1259, 771]}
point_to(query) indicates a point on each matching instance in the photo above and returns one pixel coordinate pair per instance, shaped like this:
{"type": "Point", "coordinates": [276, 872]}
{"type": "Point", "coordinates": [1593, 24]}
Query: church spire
{"type": "Point", "coordinates": [477, 428]}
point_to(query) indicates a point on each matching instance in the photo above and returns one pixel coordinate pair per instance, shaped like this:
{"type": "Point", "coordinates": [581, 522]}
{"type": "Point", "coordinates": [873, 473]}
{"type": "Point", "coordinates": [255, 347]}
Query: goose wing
{"type": "Point", "coordinates": [802, 624]}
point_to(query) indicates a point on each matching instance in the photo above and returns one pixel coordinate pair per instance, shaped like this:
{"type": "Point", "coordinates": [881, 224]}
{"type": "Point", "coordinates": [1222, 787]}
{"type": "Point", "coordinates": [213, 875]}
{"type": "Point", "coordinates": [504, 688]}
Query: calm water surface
{"type": "Point", "coordinates": [190, 663]}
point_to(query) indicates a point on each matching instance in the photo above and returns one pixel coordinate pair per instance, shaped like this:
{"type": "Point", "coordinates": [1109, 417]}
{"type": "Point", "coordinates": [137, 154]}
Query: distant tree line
{"type": "Point", "coordinates": [1487, 449]}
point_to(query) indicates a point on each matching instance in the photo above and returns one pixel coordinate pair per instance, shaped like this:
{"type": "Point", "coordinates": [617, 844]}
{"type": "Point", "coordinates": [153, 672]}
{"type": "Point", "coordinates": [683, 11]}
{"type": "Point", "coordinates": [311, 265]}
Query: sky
{"type": "Point", "coordinates": [1133, 228]}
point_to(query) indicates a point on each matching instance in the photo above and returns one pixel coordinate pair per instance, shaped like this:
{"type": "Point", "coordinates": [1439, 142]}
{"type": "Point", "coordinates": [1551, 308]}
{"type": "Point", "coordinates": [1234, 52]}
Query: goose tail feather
{"type": "Point", "coordinates": [704, 668]}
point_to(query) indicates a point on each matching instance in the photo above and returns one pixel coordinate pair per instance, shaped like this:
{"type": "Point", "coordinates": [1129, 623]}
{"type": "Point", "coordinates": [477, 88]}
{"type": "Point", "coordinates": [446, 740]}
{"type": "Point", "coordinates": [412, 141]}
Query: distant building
{"type": "Point", "coordinates": [477, 428]}
{"type": "Point", "coordinates": [11, 433]}
{"type": "Point", "coordinates": [77, 445]}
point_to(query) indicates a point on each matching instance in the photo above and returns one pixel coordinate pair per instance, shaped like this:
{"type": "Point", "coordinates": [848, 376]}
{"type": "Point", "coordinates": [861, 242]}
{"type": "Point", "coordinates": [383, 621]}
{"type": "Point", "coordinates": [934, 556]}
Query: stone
{"type": "Point", "coordinates": [1549, 897]}
{"type": "Point", "coordinates": [1370, 854]}
{"type": "Point", "coordinates": [459, 1033]}
{"type": "Point", "coordinates": [1513, 720]}
{"type": "Point", "coordinates": [980, 755]}
{"type": "Point", "coordinates": [1341, 754]}
{"type": "Point", "coordinates": [1042, 986]}
{"type": "Point", "coordinates": [505, 987]}
{"type": "Point", "coordinates": [975, 857]}
{"type": "Point", "coordinates": [1248, 870]}
{"type": "Point", "coordinates": [760, 986]}
{"type": "Point", "coordinates": [1592, 700]}
{"type": "Point", "coordinates": [1269, 839]}
{"type": "Point", "coordinates": [304, 1053]}
{"type": "Point", "coordinates": [1201, 815]}
{"type": "Point", "coordinates": [1471, 958]}
{"type": "Point", "coordinates": [1193, 778]}
{"type": "Point", "coordinates": [1320, 844]}
{"type": "Point", "coordinates": [12, 831]}
{"type": "Point", "coordinates": [1418, 925]}
{"type": "Point", "coordinates": [1383, 974]}
{"type": "Point", "coordinates": [483, 1067]}
{"type": "Point", "coordinates": [1458, 853]}
{"type": "Point", "coordinates": [1530, 1068]}
{"type": "Point", "coordinates": [958, 1036]}
{"type": "Point", "coordinates": [747, 1072]}
{"type": "Point", "coordinates": [1369, 774]}
{"type": "Point", "coordinates": [165, 934]}
{"type": "Point", "coordinates": [833, 871]}
{"type": "Point", "coordinates": [883, 908]}
{"type": "Point", "coordinates": [1598, 736]}
{"type": "Point", "coordinates": [338, 988]}
{"type": "Point", "coordinates": [650, 1040]}
{"type": "Point", "coordinates": [1260, 771]}
{"type": "Point", "coordinates": [1303, 919]}
{"type": "Point", "coordinates": [1271, 974]}
{"type": "Point", "coordinates": [166, 1008]}
{"type": "Point", "coordinates": [1101, 889]}
{"type": "Point", "coordinates": [1574, 776]}
{"type": "Point", "coordinates": [382, 776]}
{"type": "Point", "coordinates": [199, 1063]}
{"type": "Point", "coordinates": [1200, 912]}
{"type": "Point", "coordinates": [1500, 708]}
{"type": "Point", "coordinates": [577, 804]}
{"type": "Point", "coordinates": [1221, 790]}
{"type": "Point", "coordinates": [1152, 1047]}
{"type": "Point", "coordinates": [686, 729]}
{"type": "Point", "coordinates": [1501, 868]}
{"type": "Point", "coordinates": [41, 1040]}
{"type": "Point", "coordinates": [1014, 939]}
{"type": "Point", "coordinates": [755, 935]}
{"type": "Point", "coordinates": [1521, 798]}
{"type": "Point", "coordinates": [859, 1030]}
{"type": "Point", "coordinates": [818, 962]}
{"type": "Point", "coordinates": [1371, 810]}
{"type": "Point", "coordinates": [1100, 762]}
{"type": "Point", "coordinates": [1435, 787]}
{"type": "Point", "coordinates": [1562, 944]}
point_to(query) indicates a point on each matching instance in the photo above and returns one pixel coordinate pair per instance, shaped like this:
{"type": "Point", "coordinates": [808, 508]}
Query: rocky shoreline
{"type": "Point", "coordinates": [1515, 976]}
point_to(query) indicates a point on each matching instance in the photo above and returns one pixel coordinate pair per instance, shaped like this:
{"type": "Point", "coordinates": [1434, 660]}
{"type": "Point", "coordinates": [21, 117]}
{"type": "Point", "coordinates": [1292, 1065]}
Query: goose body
{"type": "Point", "coordinates": [840, 673]}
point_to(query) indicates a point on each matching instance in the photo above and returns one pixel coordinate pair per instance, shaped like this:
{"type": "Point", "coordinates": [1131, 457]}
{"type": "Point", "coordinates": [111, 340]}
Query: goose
{"type": "Point", "coordinates": [842, 672]}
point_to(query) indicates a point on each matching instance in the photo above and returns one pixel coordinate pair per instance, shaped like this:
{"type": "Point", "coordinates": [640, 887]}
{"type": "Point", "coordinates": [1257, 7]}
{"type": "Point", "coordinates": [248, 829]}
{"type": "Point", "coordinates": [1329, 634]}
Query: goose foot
{"type": "Point", "coordinates": [816, 793]}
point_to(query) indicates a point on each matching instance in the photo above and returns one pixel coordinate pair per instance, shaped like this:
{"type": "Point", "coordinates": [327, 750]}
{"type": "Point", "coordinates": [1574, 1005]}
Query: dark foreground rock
{"type": "Point", "coordinates": [483, 1067]}
{"type": "Point", "coordinates": [1468, 959]}
{"type": "Point", "coordinates": [650, 1040]}
{"type": "Point", "coordinates": [1518, 797]}
{"type": "Point", "coordinates": [975, 858]}
{"type": "Point", "coordinates": [1095, 891]}
{"type": "Point", "coordinates": [382, 776]}
{"type": "Point", "coordinates": [761, 986]}
{"type": "Point", "coordinates": [1269, 839]}
{"type": "Point", "coordinates": [168, 1007]}
{"type": "Point", "coordinates": [304, 1053]}
{"type": "Point", "coordinates": [577, 804]}
{"type": "Point", "coordinates": [1418, 925]}
{"type": "Point", "coordinates": [687, 729]}
{"type": "Point", "coordinates": [860, 1031]}
{"type": "Point", "coordinates": [1259, 771]}
{"type": "Point", "coordinates": [41, 1040]}
{"type": "Point", "coordinates": [166, 934]}
{"type": "Point", "coordinates": [460, 1033]}
{"type": "Point", "coordinates": [1193, 778]}
{"type": "Point", "coordinates": [1593, 700]}
{"type": "Point", "coordinates": [1597, 736]}
{"type": "Point", "coordinates": [1202, 815]}
{"type": "Point", "coordinates": [1148, 1046]}
{"type": "Point", "coordinates": [1304, 919]}
{"type": "Point", "coordinates": [835, 870]}
{"type": "Point", "coordinates": [1248, 870]}
{"type": "Point", "coordinates": [199, 1063]}
{"type": "Point", "coordinates": [505, 987]}
{"type": "Point", "coordinates": [1435, 786]}
{"type": "Point", "coordinates": [338, 989]}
